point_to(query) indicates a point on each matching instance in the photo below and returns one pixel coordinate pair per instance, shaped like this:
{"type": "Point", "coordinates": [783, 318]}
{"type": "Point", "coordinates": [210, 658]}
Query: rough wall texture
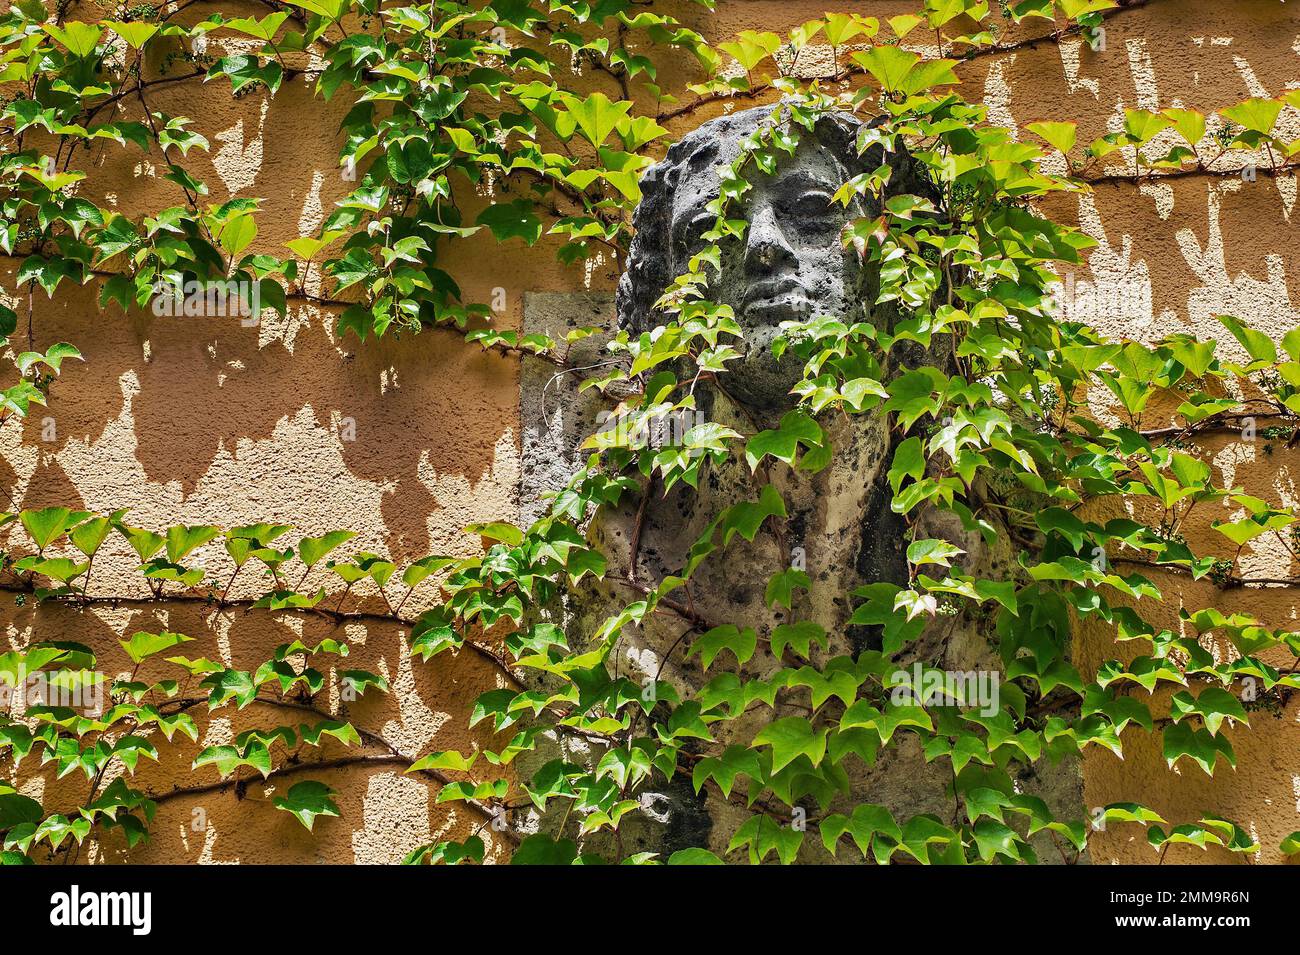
{"type": "Point", "coordinates": [201, 420]}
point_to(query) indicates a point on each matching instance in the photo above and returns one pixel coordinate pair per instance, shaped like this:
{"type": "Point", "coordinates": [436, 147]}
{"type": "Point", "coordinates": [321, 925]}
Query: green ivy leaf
{"type": "Point", "coordinates": [512, 220]}
{"type": "Point", "coordinates": [791, 737]}
{"type": "Point", "coordinates": [143, 645]}
{"type": "Point", "coordinates": [741, 643]}
{"type": "Point", "coordinates": [307, 800]}
{"type": "Point", "coordinates": [312, 549]}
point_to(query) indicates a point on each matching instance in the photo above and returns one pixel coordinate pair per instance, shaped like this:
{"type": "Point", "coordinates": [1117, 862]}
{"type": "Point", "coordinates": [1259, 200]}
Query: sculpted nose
{"type": "Point", "coordinates": [767, 247]}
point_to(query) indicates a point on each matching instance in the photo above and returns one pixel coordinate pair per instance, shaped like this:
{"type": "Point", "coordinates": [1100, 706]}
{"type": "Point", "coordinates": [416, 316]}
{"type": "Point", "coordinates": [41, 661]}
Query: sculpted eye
{"type": "Point", "coordinates": [815, 204]}
{"type": "Point", "coordinates": [690, 230]}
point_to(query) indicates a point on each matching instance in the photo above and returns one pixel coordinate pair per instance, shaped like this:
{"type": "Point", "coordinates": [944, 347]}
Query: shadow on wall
{"type": "Point", "coordinates": [197, 409]}
{"type": "Point", "coordinates": [385, 813]}
{"type": "Point", "coordinates": [324, 432]}
{"type": "Point", "coordinates": [1172, 255]}
{"type": "Point", "coordinates": [1259, 793]}
{"type": "Point", "coordinates": [203, 420]}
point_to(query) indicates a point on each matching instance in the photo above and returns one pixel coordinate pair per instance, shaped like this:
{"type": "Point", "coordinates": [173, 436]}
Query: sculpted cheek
{"type": "Point", "coordinates": [827, 279]}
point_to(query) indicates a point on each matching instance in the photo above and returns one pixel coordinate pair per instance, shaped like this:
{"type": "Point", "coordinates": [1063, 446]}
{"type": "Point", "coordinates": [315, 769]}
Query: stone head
{"type": "Point", "coordinates": [790, 265]}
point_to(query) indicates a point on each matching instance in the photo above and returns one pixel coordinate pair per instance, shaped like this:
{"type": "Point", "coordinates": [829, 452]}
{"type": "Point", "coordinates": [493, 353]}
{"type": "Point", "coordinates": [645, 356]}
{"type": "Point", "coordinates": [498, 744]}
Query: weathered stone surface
{"type": "Point", "coordinates": [555, 417]}
{"type": "Point", "coordinates": [789, 267]}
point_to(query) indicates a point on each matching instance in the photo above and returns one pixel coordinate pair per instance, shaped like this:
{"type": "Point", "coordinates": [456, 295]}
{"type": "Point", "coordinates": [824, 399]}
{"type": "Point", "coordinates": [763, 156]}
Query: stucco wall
{"type": "Point", "coordinates": [200, 420]}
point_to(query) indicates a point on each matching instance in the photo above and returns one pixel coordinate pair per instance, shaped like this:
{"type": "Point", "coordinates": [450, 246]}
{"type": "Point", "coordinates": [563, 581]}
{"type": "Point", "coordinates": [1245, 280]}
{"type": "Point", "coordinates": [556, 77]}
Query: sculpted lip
{"type": "Point", "coordinates": [770, 291]}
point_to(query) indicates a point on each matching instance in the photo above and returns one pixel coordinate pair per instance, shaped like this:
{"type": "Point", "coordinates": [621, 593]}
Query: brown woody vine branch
{"type": "Point", "coordinates": [113, 601]}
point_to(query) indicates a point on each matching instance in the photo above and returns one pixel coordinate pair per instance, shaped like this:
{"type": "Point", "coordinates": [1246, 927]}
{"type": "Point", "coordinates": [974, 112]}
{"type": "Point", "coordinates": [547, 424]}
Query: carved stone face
{"type": "Point", "coordinates": [790, 265]}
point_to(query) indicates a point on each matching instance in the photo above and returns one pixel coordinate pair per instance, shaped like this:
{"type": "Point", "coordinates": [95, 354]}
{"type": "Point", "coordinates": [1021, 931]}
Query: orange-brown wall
{"type": "Point", "coordinates": [200, 420]}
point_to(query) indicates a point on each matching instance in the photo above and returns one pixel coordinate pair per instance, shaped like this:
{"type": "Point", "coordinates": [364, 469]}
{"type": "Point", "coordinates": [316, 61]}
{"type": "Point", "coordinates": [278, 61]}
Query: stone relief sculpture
{"type": "Point", "coordinates": [791, 266]}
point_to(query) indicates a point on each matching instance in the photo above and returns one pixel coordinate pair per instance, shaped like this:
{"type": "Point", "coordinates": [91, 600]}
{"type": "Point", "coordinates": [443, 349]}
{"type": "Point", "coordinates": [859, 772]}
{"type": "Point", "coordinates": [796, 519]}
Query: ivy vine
{"type": "Point", "coordinates": [448, 98]}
